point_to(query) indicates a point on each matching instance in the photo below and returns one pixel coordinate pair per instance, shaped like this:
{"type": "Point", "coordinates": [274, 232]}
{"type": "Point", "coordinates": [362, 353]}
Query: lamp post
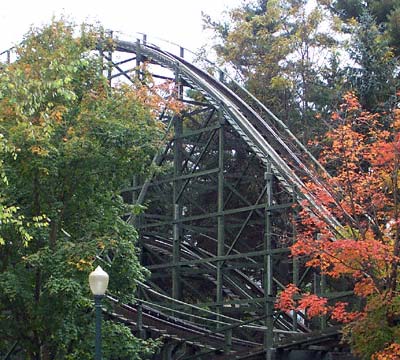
{"type": "Point", "coordinates": [98, 281]}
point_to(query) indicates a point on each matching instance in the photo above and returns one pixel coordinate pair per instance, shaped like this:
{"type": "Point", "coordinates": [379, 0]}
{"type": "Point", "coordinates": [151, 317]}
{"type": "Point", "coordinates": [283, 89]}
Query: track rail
{"type": "Point", "coordinates": [257, 132]}
{"type": "Point", "coordinates": [182, 331]}
{"type": "Point", "coordinates": [240, 283]}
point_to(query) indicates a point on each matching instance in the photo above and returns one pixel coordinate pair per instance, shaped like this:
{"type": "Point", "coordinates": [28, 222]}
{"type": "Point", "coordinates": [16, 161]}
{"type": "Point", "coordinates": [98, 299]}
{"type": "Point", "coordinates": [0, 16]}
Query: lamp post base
{"type": "Point", "coordinates": [97, 304]}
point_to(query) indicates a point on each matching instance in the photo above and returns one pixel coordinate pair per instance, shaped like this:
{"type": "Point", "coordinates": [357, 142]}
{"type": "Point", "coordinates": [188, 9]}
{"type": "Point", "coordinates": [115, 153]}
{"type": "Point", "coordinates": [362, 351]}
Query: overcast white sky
{"type": "Point", "coordinates": [178, 21]}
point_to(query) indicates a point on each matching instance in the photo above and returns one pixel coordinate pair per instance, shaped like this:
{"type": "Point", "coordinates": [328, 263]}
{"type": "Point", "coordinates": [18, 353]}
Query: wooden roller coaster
{"type": "Point", "coordinates": [219, 221]}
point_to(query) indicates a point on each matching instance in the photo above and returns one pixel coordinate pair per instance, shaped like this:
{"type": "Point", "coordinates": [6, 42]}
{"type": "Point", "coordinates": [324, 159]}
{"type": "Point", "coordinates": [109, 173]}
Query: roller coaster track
{"type": "Point", "coordinates": [255, 130]}
{"type": "Point", "coordinates": [193, 246]}
{"type": "Point", "coordinates": [291, 165]}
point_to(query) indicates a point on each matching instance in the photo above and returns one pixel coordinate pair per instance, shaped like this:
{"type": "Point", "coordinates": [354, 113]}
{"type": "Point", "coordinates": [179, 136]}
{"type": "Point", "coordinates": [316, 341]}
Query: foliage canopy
{"type": "Point", "coordinates": [362, 153]}
{"type": "Point", "coordinates": [68, 144]}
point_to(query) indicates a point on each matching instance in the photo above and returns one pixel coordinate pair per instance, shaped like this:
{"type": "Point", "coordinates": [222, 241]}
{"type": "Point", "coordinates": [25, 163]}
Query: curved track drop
{"type": "Point", "coordinates": [218, 222]}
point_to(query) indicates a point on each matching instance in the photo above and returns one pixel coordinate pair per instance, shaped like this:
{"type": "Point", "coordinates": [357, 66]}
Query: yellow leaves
{"type": "Point", "coordinates": [396, 121]}
{"type": "Point", "coordinates": [71, 131]}
{"type": "Point", "coordinates": [7, 109]}
{"type": "Point", "coordinates": [315, 17]}
{"type": "Point", "coordinates": [82, 264]}
{"type": "Point", "coordinates": [274, 9]}
{"type": "Point", "coordinates": [57, 113]}
{"type": "Point", "coordinates": [38, 150]}
{"type": "Point", "coordinates": [353, 22]}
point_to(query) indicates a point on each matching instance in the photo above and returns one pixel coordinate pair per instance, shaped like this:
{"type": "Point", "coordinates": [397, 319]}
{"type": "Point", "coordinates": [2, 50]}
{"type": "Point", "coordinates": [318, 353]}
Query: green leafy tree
{"type": "Point", "coordinates": [9, 213]}
{"type": "Point", "coordinates": [373, 47]}
{"type": "Point", "coordinates": [68, 144]}
{"type": "Point", "coordinates": [385, 13]}
{"type": "Point", "coordinates": [279, 50]}
{"type": "Point", "coordinates": [374, 74]}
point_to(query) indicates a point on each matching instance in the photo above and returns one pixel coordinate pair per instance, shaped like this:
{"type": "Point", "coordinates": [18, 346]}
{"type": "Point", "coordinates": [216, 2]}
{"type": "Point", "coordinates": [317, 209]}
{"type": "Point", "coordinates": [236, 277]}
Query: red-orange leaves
{"type": "Point", "coordinates": [383, 154]}
{"type": "Point", "coordinates": [361, 152]}
{"type": "Point", "coordinates": [362, 157]}
{"type": "Point", "coordinates": [391, 352]}
{"type": "Point", "coordinates": [364, 287]}
{"type": "Point", "coordinates": [340, 314]}
{"type": "Point", "coordinates": [310, 304]}
{"type": "Point", "coordinates": [351, 102]}
{"type": "Point", "coordinates": [313, 305]}
{"type": "Point", "coordinates": [286, 300]}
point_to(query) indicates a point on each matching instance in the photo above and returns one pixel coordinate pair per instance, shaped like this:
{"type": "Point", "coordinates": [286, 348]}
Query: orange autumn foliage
{"type": "Point", "coordinates": [361, 153]}
{"type": "Point", "coordinates": [392, 352]}
{"type": "Point", "coordinates": [286, 299]}
{"type": "Point", "coordinates": [158, 96]}
{"type": "Point", "coordinates": [341, 314]}
{"type": "Point", "coordinates": [313, 305]}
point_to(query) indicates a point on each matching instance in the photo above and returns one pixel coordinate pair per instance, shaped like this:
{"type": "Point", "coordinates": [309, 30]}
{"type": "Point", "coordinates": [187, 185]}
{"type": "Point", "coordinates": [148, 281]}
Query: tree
{"type": "Point", "coordinates": [68, 144]}
{"type": "Point", "coordinates": [279, 49]}
{"type": "Point", "coordinates": [372, 29]}
{"type": "Point", "coordinates": [9, 213]}
{"type": "Point", "coordinates": [385, 13]}
{"type": "Point", "coordinates": [361, 151]}
{"type": "Point", "coordinates": [373, 74]}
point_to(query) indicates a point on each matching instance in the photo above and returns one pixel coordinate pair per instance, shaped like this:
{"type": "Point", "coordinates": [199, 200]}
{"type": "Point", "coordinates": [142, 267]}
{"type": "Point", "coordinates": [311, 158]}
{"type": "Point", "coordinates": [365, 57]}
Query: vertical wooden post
{"type": "Point", "coordinates": [228, 340]}
{"type": "Point", "coordinates": [177, 207]}
{"type": "Point", "coordinates": [139, 321]}
{"type": "Point", "coordinates": [323, 290]}
{"type": "Point", "coordinates": [220, 219]}
{"type": "Point", "coordinates": [268, 271]}
{"type": "Point", "coordinates": [109, 62]}
{"type": "Point", "coordinates": [295, 278]}
{"type": "Point", "coordinates": [221, 76]}
{"type": "Point", "coordinates": [138, 59]}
